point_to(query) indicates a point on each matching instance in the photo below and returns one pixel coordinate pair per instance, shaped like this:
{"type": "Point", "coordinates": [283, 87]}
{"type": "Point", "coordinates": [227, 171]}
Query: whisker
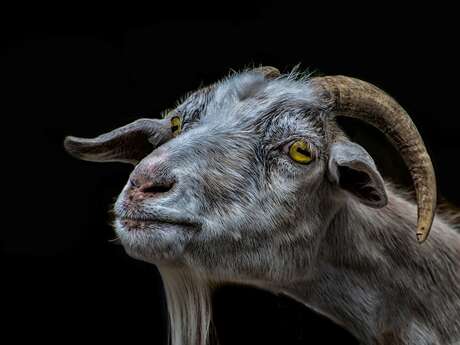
{"type": "Point", "coordinates": [116, 241]}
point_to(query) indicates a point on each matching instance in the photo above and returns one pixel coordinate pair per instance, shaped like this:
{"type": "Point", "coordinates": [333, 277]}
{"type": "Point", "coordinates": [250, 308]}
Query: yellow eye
{"type": "Point", "coordinates": [175, 125]}
{"type": "Point", "coordinates": [300, 152]}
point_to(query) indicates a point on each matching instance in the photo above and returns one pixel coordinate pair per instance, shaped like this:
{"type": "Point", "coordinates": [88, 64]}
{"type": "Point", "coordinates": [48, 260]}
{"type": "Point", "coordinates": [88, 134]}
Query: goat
{"type": "Point", "coordinates": [250, 180]}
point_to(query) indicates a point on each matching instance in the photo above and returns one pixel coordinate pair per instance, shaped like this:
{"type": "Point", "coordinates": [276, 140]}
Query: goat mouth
{"type": "Point", "coordinates": [139, 224]}
{"type": "Point", "coordinates": [155, 218]}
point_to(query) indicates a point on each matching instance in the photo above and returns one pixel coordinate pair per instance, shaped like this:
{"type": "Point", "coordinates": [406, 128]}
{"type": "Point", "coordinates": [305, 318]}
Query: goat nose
{"type": "Point", "coordinates": [140, 190]}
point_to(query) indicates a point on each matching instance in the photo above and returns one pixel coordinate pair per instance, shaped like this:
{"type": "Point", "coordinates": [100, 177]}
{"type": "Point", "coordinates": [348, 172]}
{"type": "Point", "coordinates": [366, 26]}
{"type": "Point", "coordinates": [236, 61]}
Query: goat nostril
{"type": "Point", "coordinates": [156, 188]}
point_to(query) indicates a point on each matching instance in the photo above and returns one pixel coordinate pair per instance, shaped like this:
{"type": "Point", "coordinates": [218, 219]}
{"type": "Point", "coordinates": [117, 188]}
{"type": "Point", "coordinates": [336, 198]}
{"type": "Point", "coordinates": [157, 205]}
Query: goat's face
{"type": "Point", "coordinates": [240, 175]}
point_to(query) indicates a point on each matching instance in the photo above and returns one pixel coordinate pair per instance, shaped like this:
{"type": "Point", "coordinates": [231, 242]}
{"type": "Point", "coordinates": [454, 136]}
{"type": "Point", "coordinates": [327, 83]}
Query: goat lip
{"type": "Point", "coordinates": [157, 214]}
{"type": "Point", "coordinates": [144, 223]}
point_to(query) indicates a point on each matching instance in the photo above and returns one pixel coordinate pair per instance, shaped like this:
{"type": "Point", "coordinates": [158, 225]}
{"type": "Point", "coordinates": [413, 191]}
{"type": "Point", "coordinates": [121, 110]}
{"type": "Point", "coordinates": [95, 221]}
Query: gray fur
{"type": "Point", "coordinates": [244, 211]}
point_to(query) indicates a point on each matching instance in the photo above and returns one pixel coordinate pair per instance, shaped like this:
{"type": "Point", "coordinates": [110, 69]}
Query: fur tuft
{"type": "Point", "coordinates": [189, 305]}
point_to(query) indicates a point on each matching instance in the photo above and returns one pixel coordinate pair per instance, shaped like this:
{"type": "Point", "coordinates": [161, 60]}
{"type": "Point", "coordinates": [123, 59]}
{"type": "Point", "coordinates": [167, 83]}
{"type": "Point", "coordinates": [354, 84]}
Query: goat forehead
{"type": "Point", "coordinates": [246, 98]}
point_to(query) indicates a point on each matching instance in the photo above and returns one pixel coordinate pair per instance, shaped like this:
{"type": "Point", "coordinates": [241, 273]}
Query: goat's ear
{"type": "Point", "coordinates": [353, 169]}
{"type": "Point", "coordinates": [128, 144]}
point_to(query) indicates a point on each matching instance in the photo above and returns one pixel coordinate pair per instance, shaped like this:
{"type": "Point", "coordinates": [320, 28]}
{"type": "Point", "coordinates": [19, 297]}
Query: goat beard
{"type": "Point", "coordinates": [188, 297]}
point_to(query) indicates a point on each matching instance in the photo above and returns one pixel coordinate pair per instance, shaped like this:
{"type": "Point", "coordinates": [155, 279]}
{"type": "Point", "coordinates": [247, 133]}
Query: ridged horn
{"type": "Point", "coordinates": [355, 98]}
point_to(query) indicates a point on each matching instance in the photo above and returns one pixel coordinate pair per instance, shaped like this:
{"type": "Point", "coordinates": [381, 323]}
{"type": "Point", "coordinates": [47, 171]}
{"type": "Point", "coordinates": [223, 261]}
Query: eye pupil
{"type": "Point", "coordinates": [303, 151]}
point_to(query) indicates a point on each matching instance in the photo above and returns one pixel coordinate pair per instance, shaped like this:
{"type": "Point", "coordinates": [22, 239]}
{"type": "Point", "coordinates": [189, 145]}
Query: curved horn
{"type": "Point", "coordinates": [358, 99]}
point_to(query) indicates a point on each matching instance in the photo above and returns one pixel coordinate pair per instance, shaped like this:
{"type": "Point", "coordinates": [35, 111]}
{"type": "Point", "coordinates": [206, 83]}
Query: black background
{"type": "Point", "coordinates": [85, 70]}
